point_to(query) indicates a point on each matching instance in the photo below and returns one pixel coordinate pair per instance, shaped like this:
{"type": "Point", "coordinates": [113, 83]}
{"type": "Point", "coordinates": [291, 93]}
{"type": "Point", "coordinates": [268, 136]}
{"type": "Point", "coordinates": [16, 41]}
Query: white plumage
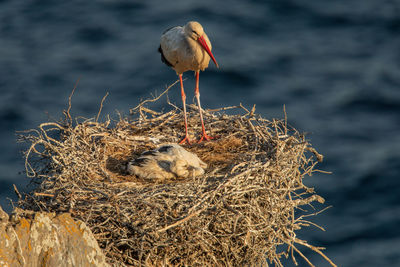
{"type": "Point", "coordinates": [167, 162]}
{"type": "Point", "coordinates": [187, 48]}
{"type": "Point", "coordinates": [182, 50]}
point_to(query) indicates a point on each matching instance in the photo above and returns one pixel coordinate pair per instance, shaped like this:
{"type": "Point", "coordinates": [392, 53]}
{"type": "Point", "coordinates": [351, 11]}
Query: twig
{"type": "Point", "coordinates": [68, 114]}
{"type": "Point", "coordinates": [154, 99]}
{"type": "Point", "coordinates": [43, 194]}
{"type": "Point", "coordinates": [17, 192]}
{"type": "Point", "coordinates": [284, 111]}
{"type": "Point", "coordinates": [222, 109]}
{"type": "Point", "coordinates": [101, 107]}
{"type": "Point", "coordinates": [316, 250]}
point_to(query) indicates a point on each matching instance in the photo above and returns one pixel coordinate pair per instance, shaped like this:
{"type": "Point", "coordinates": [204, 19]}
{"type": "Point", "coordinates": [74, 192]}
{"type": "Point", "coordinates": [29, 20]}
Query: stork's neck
{"type": "Point", "coordinates": [193, 45]}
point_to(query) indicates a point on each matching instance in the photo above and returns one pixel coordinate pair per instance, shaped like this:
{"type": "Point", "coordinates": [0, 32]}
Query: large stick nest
{"type": "Point", "coordinates": [243, 211]}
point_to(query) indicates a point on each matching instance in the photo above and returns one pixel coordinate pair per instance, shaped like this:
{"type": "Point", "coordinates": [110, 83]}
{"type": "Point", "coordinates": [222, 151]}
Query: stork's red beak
{"type": "Point", "coordinates": [205, 46]}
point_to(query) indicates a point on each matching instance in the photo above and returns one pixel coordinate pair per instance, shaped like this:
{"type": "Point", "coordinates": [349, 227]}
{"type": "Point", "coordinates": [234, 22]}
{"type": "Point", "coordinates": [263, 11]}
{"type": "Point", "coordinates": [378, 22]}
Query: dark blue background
{"type": "Point", "coordinates": [334, 64]}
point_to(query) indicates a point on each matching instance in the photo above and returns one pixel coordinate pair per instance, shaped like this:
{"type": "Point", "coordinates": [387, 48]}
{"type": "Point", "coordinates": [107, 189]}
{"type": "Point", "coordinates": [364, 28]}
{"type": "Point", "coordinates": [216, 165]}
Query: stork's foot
{"type": "Point", "coordinates": [204, 136]}
{"type": "Point", "coordinates": [185, 140]}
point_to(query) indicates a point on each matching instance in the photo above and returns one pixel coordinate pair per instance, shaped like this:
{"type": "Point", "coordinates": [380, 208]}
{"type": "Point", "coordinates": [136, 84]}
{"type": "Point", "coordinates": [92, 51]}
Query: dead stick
{"type": "Point", "coordinates": [101, 107]}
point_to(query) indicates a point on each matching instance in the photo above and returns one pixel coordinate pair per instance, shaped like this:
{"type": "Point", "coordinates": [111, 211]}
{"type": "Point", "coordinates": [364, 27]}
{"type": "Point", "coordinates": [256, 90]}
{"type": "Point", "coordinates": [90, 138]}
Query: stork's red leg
{"type": "Point", "coordinates": [197, 94]}
{"type": "Point", "coordinates": [186, 139]}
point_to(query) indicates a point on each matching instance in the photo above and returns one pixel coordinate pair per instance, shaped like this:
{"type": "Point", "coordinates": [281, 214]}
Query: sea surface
{"type": "Point", "coordinates": [335, 65]}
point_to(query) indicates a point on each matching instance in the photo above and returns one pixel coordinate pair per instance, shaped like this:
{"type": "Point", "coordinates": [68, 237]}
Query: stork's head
{"type": "Point", "coordinates": [194, 30]}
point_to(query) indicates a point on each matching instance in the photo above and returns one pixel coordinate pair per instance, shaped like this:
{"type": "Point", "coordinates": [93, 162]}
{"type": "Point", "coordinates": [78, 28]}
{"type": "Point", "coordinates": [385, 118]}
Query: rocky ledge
{"type": "Point", "coordinates": [46, 239]}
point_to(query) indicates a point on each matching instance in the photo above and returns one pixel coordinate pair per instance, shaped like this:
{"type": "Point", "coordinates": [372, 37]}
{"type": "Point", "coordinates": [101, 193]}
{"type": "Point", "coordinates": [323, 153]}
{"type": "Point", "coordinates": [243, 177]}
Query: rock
{"type": "Point", "coordinates": [47, 239]}
{"type": "Point", "coordinates": [168, 161]}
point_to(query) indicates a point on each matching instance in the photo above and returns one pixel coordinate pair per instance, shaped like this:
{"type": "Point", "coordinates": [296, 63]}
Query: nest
{"type": "Point", "coordinates": [242, 212]}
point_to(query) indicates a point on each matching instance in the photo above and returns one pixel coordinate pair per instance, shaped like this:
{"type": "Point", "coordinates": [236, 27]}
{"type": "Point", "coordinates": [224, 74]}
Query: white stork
{"type": "Point", "coordinates": [187, 48]}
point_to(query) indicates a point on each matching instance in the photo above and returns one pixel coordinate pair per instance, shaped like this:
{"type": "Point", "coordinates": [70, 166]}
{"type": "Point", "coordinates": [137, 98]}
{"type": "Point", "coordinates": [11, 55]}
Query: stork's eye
{"type": "Point", "coordinates": [195, 32]}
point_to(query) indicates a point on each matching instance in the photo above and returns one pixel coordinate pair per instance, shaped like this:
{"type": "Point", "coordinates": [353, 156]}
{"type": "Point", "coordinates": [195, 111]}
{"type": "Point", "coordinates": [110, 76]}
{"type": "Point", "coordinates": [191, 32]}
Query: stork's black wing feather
{"type": "Point", "coordinates": [168, 29]}
{"type": "Point", "coordinates": [163, 59]}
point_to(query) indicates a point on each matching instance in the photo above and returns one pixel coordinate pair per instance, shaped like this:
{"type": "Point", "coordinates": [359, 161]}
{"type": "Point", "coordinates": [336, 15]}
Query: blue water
{"type": "Point", "coordinates": [334, 64]}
